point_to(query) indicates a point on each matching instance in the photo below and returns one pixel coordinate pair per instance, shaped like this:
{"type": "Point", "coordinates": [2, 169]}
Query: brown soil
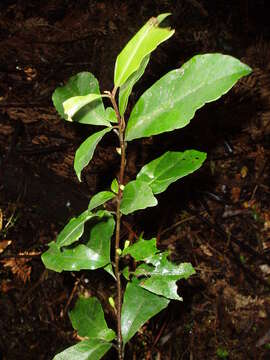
{"type": "Point", "coordinates": [218, 219]}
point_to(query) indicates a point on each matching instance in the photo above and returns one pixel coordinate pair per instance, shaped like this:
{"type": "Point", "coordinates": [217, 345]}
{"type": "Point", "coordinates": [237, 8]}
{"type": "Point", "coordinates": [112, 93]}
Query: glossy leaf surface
{"type": "Point", "coordinates": [137, 195]}
{"type": "Point", "coordinates": [81, 84]}
{"type": "Point", "coordinates": [161, 285]}
{"type": "Point", "coordinates": [126, 88]}
{"type": "Point", "coordinates": [86, 150]}
{"type": "Point", "coordinates": [100, 199]}
{"type": "Point", "coordinates": [73, 230]}
{"type": "Point", "coordinates": [139, 305]}
{"type": "Point", "coordinates": [75, 259]}
{"type": "Point", "coordinates": [87, 318]}
{"type": "Point", "coordinates": [142, 249]}
{"type": "Point", "coordinates": [92, 349]}
{"type": "Point", "coordinates": [100, 241]}
{"type": "Point", "coordinates": [164, 267]}
{"type": "Point", "coordinates": [173, 100]}
{"type": "Point", "coordinates": [170, 167]}
{"type": "Point", "coordinates": [73, 105]}
{"type": "Point", "coordinates": [162, 274]}
{"type": "Point", "coordinates": [142, 43]}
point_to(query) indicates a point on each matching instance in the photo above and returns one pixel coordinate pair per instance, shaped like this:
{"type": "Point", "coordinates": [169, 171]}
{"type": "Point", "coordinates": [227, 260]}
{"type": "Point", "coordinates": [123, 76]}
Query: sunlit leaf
{"type": "Point", "coordinates": [142, 249]}
{"type": "Point", "coordinates": [81, 84]}
{"type": "Point", "coordinates": [139, 305]}
{"type": "Point", "coordinates": [172, 101]}
{"type": "Point", "coordinates": [86, 150]}
{"type": "Point", "coordinates": [142, 43]}
{"type": "Point", "coordinates": [126, 88]}
{"type": "Point", "coordinates": [87, 318]}
{"type": "Point", "coordinates": [100, 199]}
{"type": "Point", "coordinates": [73, 230]}
{"type": "Point", "coordinates": [169, 167]}
{"type": "Point", "coordinates": [73, 105]}
{"type": "Point", "coordinates": [92, 349]}
{"type": "Point", "coordinates": [137, 195]}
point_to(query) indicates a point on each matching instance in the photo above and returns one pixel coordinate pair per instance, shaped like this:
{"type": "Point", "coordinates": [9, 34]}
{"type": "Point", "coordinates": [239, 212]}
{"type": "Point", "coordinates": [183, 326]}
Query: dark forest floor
{"type": "Point", "coordinates": [218, 218]}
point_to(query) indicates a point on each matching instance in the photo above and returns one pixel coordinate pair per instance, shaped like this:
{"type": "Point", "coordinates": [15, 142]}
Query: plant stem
{"type": "Point", "coordinates": [121, 129]}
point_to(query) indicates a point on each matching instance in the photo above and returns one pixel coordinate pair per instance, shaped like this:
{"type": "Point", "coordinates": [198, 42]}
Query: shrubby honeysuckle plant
{"type": "Point", "coordinates": [169, 104]}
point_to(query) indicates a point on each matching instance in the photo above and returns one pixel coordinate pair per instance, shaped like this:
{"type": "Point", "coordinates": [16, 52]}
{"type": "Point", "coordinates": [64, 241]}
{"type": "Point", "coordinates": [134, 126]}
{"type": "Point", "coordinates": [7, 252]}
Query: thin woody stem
{"type": "Point", "coordinates": [121, 129]}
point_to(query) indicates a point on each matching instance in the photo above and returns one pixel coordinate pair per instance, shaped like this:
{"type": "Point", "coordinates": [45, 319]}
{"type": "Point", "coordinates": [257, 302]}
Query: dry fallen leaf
{"type": "Point", "coordinates": [244, 172]}
{"type": "Point", "coordinates": [235, 194]}
{"type": "Point", "coordinates": [4, 244]}
{"type": "Point", "coordinates": [19, 267]}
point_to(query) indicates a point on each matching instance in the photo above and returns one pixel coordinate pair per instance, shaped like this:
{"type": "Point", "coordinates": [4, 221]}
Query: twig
{"type": "Point", "coordinates": [71, 296]}
{"type": "Point", "coordinates": [121, 130]}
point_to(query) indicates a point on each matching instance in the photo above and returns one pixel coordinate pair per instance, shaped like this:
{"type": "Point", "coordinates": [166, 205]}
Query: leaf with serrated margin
{"type": "Point", "coordinates": [83, 83]}
{"type": "Point", "coordinates": [170, 167]}
{"type": "Point", "coordinates": [161, 275]}
{"type": "Point", "coordinates": [86, 150]}
{"type": "Point", "coordinates": [172, 101]}
{"type": "Point", "coordinates": [142, 43]}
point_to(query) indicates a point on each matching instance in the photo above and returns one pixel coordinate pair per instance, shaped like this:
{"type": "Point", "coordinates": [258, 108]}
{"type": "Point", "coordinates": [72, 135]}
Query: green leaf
{"type": "Point", "coordinates": [111, 116]}
{"type": "Point", "coordinates": [126, 273]}
{"type": "Point", "coordinates": [73, 105]}
{"type": "Point", "coordinates": [87, 318]}
{"type": "Point", "coordinates": [161, 285]}
{"type": "Point", "coordinates": [172, 101]}
{"type": "Point", "coordinates": [164, 267]}
{"type": "Point", "coordinates": [136, 196]}
{"type": "Point", "coordinates": [108, 268]}
{"type": "Point", "coordinates": [126, 88]}
{"type": "Point", "coordinates": [142, 43]}
{"type": "Point", "coordinates": [100, 199]}
{"type": "Point", "coordinates": [73, 230]}
{"type": "Point", "coordinates": [75, 259]}
{"type": "Point", "coordinates": [81, 84]}
{"type": "Point", "coordinates": [142, 249]}
{"type": "Point", "coordinates": [169, 167]}
{"type": "Point", "coordinates": [86, 150]}
{"type": "Point", "coordinates": [92, 349]}
{"type": "Point", "coordinates": [162, 275]}
{"type": "Point", "coordinates": [114, 186]}
{"type": "Point", "coordinates": [139, 305]}
{"type": "Point", "coordinates": [100, 241]}
{"type": "Point", "coordinates": [94, 255]}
